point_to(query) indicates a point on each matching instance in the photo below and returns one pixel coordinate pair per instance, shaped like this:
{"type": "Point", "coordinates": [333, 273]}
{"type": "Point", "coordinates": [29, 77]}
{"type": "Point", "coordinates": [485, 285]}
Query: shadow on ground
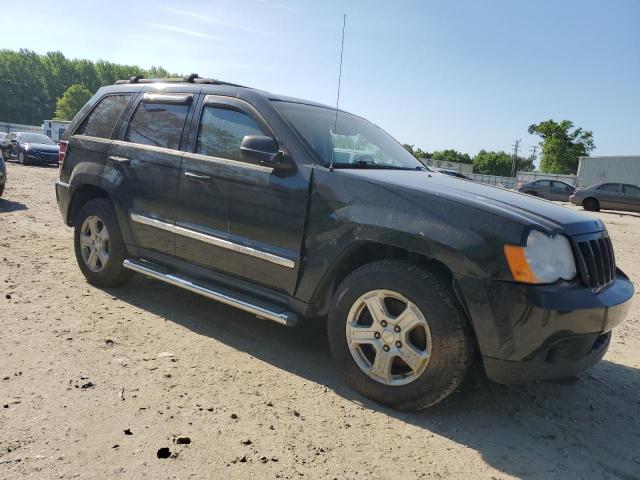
{"type": "Point", "coordinates": [11, 206]}
{"type": "Point", "coordinates": [585, 427]}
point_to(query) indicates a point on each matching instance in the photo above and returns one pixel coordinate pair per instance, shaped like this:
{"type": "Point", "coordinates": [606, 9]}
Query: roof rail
{"type": "Point", "coordinates": [192, 78]}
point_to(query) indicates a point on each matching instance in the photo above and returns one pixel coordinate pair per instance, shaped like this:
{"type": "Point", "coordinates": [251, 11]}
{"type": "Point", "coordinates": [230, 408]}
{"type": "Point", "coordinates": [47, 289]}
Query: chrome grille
{"type": "Point", "coordinates": [596, 261]}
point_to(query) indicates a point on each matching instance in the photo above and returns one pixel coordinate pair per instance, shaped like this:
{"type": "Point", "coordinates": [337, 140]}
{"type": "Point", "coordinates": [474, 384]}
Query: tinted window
{"type": "Point", "coordinates": [222, 130]}
{"type": "Point", "coordinates": [631, 190]}
{"type": "Point", "coordinates": [609, 187]}
{"type": "Point", "coordinates": [157, 124]}
{"type": "Point", "coordinates": [104, 116]}
{"type": "Point", "coordinates": [562, 186]}
{"type": "Point", "coordinates": [543, 183]}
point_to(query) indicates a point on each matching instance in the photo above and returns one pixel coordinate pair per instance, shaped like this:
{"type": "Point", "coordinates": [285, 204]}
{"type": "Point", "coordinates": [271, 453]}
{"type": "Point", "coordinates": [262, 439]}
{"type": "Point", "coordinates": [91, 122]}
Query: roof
{"type": "Point", "coordinates": [194, 83]}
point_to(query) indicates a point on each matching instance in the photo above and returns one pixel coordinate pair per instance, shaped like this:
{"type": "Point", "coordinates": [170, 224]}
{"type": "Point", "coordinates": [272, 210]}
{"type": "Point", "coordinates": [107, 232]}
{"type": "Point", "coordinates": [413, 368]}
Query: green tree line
{"type": "Point", "coordinates": [561, 143]}
{"type": "Point", "coordinates": [31, 84]}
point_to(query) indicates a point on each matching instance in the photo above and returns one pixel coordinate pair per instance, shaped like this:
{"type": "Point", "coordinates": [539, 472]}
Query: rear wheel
{"type": "Point", "coordinates": [399, 335]}
{"type": "Point", "coordinates": [98, 243]}
{"type": "Point", "coordinates": [591, 204]}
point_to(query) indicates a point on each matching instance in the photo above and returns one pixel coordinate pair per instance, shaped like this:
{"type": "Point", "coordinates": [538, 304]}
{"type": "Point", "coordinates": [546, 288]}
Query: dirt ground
{"type": "Point", "coordinates": [94, 382]}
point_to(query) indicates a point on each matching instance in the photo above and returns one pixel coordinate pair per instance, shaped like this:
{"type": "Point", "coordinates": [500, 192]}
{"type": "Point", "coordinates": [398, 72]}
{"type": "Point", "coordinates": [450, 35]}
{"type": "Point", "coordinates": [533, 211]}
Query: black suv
{"type": "Point", "coordinates": [238, 195]}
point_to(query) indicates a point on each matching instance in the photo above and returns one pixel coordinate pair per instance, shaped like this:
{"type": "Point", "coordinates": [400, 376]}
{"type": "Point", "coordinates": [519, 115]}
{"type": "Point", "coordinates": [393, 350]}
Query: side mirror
{"type": "Point", "coordinates": [261, 150]}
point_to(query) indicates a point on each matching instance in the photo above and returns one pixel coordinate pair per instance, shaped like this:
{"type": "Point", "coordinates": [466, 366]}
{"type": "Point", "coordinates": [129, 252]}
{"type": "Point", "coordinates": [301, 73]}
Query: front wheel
{"type": "Point", "coordinates": [98, 243]}
{"type": "Point", "coordinates": [399, 335]}
{"type": "Point", "coordinates": [591, 204]}
{"type": "Point", "coordinates": [22, 158]}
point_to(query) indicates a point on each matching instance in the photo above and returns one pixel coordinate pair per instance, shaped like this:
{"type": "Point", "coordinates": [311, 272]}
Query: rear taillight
{"type": "Point", "coordinates": [63, 152]}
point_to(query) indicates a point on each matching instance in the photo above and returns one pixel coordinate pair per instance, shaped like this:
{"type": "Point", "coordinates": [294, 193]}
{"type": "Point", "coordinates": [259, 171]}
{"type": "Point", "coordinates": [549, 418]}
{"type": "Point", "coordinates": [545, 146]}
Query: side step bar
{"type": "Point", "coordinates": [224, 295]}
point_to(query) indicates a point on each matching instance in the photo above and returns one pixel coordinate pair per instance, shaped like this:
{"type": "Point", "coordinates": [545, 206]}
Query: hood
{"type": "Point", "coordinates": [43, 147]}
{"type": "Point", "coordinates": [525, 209]}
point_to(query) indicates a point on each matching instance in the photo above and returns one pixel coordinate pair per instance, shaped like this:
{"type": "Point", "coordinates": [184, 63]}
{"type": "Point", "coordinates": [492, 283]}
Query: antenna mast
{"type": "Point", "coordinates": [335, 124]}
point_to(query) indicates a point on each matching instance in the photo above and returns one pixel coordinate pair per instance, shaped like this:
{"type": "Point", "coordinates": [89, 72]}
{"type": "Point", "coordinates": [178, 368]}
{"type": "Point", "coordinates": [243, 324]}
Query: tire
{"type": "Point", "coordinates": [448, 334]}
{"type": "Point", "coordinates": [591, 204]}
{"type": "Point", "coordinates": [22, 159]}
{"type": "Point", "coordinates": [532, 193]}
{"type": "Point", "coordinates": [100, 270]}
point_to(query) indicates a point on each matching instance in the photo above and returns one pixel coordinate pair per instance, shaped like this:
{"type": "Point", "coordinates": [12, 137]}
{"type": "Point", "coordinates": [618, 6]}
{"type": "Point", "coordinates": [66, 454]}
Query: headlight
{"type": "Point", "coordinates": [543, 260]}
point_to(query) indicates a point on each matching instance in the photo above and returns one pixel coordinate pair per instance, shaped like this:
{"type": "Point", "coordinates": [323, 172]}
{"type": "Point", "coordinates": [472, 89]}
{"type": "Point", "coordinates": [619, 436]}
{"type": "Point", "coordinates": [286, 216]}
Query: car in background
{"type": "Point", "coordinates": [29, 147]}
{"type": "Point", "coordinates": [549, 189]}
{"type": "Point", "coordinates": [4, 145]}
{"type": "Point", "coordinates": [612, 196]}
{"type": "Point", "coordinates": [3, 175]}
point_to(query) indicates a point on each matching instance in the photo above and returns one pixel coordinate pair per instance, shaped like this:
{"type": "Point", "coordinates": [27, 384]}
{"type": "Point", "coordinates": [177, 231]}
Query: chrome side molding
{"type": "Point", "coordinates": [212, 240]}
{"type": "Point", "coordinates": [265, 311]}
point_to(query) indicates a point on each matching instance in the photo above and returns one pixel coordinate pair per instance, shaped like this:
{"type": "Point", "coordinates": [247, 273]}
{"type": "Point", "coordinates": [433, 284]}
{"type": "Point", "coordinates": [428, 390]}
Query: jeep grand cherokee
{"type": "Point", "coordinates": [238, 195]}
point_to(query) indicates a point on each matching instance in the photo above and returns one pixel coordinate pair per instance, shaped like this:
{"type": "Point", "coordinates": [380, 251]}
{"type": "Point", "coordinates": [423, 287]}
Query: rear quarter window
{"type": "Point", "coordinates": [102, 119]}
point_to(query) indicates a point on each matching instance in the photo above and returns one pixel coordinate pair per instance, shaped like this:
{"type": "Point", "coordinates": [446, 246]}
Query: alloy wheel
{"type": "Point", "coordinates": [94, 243]}
{"type": "Point", "coordinates": [388, 337]}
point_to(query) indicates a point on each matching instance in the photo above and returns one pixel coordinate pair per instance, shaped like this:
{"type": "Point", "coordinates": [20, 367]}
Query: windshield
{"type": "Point", "coordinates": [355, 143]}
{"type": "Point", "coordinates": [36, 138]}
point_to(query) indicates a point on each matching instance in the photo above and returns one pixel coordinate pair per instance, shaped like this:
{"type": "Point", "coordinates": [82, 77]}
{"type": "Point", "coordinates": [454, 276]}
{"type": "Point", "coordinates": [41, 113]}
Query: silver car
{"type": "Point", "coordinates": [549, 189]}
{"type": "Point", "coordinates": [612, 196]}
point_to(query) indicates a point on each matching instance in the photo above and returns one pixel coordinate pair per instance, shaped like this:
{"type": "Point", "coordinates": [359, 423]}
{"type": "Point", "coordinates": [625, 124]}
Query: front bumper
{"type": "Point", "coordinates": [43, 158]}
{"type": "Point", "coordinates": [535, 332]}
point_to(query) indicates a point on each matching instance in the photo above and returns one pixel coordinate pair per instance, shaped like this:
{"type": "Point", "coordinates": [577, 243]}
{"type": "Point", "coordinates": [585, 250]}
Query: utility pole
{"type": "Point", "coordinates": [516, 147]}
{"type": "Point", "coordinates": [534, 149]}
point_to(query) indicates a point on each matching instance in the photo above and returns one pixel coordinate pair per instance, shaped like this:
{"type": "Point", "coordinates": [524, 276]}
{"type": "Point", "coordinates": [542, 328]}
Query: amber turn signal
{"type": "Point", "coordinates": [519, 265]}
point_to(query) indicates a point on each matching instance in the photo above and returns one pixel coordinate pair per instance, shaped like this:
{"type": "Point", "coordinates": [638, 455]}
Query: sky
{"type": "Point", "coordinates": [462, 74]}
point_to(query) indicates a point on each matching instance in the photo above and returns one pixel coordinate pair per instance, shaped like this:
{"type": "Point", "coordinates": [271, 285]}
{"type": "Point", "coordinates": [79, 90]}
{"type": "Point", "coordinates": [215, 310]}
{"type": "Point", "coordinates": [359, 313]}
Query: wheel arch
{"type": "Point", "coordinates": [363, 252]}
{"type": "Point", "coordinates": [80, 197]}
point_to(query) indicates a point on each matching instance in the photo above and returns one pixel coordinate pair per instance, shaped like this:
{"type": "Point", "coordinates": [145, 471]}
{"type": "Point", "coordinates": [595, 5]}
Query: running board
{"type": "Point", "coordinates": [260, 309]}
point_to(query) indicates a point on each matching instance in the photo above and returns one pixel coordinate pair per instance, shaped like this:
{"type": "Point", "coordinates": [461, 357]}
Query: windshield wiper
{"type": "Point", "coordinates": [372, 165]}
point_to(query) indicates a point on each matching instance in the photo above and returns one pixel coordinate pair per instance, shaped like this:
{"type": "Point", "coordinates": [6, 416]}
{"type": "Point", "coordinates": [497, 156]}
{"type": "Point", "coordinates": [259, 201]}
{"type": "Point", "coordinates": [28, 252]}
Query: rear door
{"type": "Point", "coordinates": [631, 198]}
{"type": "Point", "coordinates": [239, 218]}
{"type": "Point", "coordinates": [560, 191]}
{"type": "Point", "coordinates": [144, 165]}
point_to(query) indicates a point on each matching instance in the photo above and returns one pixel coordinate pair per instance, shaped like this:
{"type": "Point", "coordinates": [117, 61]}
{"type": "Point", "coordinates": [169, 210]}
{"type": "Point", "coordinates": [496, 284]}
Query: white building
{"type": "Point", "coordinates": [54, 129]}
{"type": "Point", "coordinates": [614, 168]}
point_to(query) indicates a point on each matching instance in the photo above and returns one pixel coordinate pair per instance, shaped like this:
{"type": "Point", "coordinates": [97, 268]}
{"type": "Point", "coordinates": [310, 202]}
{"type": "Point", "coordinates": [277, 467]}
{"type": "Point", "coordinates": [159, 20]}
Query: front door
{"type": "Point", "coordinates": [144, 165]}
{"type": "Point", "coordinates": [235, 217]}
{"type": "Point", "coordinates": [610, 196]}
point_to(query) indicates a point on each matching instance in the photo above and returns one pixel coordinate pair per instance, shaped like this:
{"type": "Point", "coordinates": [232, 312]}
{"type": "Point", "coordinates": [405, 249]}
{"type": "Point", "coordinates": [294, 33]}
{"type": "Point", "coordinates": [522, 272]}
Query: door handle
{"type": "Point", "coordinates": [197, 176]}
{"type": "Point", "coordinates": [120, 160]}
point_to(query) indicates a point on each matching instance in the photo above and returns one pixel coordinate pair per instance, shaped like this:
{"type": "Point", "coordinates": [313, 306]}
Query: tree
{"type": "Point", "coordinates": [451, 156]}
{"type": "Point", "coordinates": [416, 152]}
{"type": "Point", "coordinates": [561, 147]}
{"type": "Point", "coordinates": [499, 163]}
{"type": "Point", "coordinates": [31, 83]}
{"type": "Point", "coordinates": [71, 102]}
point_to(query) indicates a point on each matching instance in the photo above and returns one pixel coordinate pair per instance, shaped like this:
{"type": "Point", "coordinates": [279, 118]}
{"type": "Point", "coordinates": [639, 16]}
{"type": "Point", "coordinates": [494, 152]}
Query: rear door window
{"type": "Point", "coordinates": [157, 124]}
{"type": "Point", "coordinates": [222, 130]}
{"type": "Point", "coordinates": [102, 119]}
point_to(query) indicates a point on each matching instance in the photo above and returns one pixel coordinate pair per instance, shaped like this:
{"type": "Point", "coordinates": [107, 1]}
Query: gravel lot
{"type": "Point", "coordinates": [80, 367]}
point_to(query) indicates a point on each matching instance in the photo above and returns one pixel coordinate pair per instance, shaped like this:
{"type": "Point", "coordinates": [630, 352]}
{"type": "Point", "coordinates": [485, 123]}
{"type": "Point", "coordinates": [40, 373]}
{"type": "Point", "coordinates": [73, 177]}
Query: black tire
{"type": "Point", "coordinates": [22, 158]}
{"type": "Point", "coordinates": [451, 336]}
{"type": "Point", "coordinates": [1, 190]}
{"type": "Point", "coordinates": [591, 204]}
{"type": "Point", "coordinates": [532, 193]}
{"type": "Point", "coordinates": [112, 273]}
